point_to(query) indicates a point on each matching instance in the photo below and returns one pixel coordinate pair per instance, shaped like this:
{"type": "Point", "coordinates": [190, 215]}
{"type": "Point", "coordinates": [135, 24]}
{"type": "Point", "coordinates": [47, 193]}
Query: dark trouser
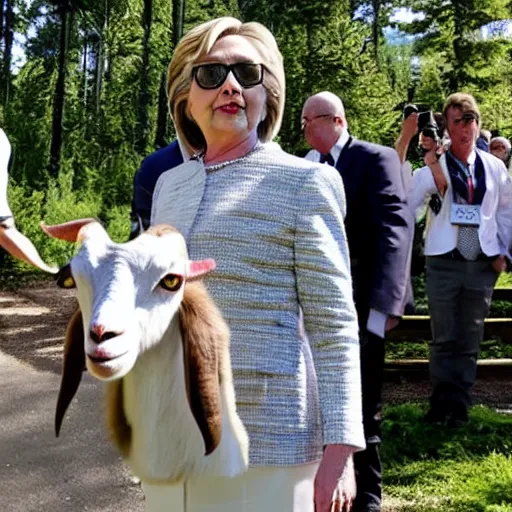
{"type": "Point", "coordinates": [459, 295]}
{"type": "Point", "coordinates": [367, 463]}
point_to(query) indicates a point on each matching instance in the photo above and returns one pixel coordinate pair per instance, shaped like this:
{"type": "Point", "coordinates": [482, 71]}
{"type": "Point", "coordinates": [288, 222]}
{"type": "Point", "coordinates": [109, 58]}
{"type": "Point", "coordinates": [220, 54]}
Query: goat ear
{"type": "Point", "coordinates": [21, 247]}
{"type": "Point", "coordinates": [199, 268]}
{"type": "Point", "coordinates": [69, 231]}
{"type": "Point", "coordinates": [72, 368]}
{"type": "Point", "coordinates": [201, 359]}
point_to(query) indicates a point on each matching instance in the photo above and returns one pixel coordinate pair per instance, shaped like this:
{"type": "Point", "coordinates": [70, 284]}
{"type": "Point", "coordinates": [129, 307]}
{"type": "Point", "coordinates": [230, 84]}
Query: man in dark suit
{"type": "Point", "coordinates": [379, 230]}
{"type": "Point", "coordinates": [144, 184]}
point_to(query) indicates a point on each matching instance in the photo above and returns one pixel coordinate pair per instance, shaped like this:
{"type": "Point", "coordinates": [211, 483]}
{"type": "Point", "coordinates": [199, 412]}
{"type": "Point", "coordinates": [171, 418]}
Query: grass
{"type": "Point", "coordinates": [430, 468]}
{"type": "Point", "coordinates": [505, 280]}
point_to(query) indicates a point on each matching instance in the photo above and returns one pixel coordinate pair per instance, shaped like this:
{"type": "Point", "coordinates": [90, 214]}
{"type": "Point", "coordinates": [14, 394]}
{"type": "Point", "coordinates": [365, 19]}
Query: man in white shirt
{"type": "Point", "coordinates": [466, 245]}
{"type": "Point", "coordinates": [379, 230]}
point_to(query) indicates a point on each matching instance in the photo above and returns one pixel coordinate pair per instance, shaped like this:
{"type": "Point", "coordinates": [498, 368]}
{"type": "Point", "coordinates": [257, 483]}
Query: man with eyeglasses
{"type": "Point", "coordinates": [379, 229]}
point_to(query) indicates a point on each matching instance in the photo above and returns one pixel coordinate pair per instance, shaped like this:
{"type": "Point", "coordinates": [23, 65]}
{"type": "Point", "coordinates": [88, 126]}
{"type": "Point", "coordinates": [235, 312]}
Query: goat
{"type": "Point", "coordinates": [14, 242]}
{"type": "Point", "coordinates": [148, 328]}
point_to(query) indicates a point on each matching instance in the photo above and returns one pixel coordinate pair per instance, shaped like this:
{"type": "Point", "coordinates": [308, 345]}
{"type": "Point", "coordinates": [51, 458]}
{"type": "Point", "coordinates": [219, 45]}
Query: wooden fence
{"type": "Point", "coordinates": [417, 329]}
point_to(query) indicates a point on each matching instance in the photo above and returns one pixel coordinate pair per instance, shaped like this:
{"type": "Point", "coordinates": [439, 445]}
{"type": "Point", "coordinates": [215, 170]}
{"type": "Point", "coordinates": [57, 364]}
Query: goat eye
{"type": "Point", "coordinates": [65, 278]}
{"type": "Point", "coordinates": [69, 282]}
{"type": "Point", "coordinates": [171, 282]}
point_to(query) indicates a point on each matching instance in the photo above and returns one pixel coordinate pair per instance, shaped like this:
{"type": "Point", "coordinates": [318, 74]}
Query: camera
{"type": "Point", "coordinates": [427, 125]}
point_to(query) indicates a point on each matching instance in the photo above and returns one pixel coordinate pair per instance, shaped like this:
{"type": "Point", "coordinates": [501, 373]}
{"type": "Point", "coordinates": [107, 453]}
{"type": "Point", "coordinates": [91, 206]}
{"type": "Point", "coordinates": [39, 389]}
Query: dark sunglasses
{"type": "Point", "coordinates": [468, 117]}
{"type": "Point", "coordinates": [212, 76]}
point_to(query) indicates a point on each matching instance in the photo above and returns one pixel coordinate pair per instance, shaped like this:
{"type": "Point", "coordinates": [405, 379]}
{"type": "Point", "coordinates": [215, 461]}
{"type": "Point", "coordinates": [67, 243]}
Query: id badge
{"type": "Point", "coordinates": [465, 214]}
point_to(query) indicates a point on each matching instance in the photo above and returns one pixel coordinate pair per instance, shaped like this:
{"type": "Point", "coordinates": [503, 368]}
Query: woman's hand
{"type": "Point", "coordinates": [335, 482]}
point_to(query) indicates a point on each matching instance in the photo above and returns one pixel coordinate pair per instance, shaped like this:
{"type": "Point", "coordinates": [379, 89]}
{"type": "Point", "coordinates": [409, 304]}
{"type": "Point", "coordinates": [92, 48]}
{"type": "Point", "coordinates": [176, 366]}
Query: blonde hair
{"type": "Point", "coordinates": [464, 102]}
{"type": "Point", "coordinates": [196, 44]}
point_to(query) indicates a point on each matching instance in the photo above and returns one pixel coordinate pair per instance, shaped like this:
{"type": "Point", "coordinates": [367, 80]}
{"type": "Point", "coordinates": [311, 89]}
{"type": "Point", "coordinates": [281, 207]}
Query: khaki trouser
{"type": "Point", "coordinates": [260, 489]}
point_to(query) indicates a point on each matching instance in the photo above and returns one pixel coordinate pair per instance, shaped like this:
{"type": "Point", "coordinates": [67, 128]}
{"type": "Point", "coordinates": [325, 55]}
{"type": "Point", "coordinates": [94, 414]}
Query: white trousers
{"type": "Point", "coordinates": [260, 489]}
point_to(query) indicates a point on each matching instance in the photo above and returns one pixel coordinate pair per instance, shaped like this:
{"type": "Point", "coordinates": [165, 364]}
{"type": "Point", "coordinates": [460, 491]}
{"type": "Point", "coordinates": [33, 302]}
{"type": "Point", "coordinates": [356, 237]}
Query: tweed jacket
{"type": "Point", "coordinates": [274, 224]}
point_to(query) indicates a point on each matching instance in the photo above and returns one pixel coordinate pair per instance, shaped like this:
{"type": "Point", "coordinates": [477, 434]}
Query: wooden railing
{"type": "Point", "coordinates": [417, 329]}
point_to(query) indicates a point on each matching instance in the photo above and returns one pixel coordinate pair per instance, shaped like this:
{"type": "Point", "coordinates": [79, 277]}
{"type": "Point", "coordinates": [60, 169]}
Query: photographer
{"type": "Point", "coordinates": [465, 251]}
{"type": "Point", "coordinates": [430, 131]}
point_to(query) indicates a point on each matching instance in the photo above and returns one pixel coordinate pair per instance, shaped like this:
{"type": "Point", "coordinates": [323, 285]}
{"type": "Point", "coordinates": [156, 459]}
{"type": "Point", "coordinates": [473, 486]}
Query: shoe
{"type": "Point", "coordinates": [436, 416]}
{"type": "Point", "coordinates": [459, 416]}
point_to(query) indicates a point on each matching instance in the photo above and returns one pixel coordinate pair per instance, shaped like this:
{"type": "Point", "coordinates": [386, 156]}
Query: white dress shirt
{"type": "Point", "coordinates": [5, 153]}
{"type": "Point", "coordinates": [314, 155]}
{"type": "Point", "coordinates": [376, 320]}
{"type": "Point", "coordinates": [495, 230]}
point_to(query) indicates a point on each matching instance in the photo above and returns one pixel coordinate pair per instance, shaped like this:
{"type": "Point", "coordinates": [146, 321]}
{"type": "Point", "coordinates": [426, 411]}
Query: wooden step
{"type": "Point", "coordinates": [417, 369]}
{"type": "Point", "coordinates": [417, 328]}
{"type": "Point", "coordinates": [502, 294]}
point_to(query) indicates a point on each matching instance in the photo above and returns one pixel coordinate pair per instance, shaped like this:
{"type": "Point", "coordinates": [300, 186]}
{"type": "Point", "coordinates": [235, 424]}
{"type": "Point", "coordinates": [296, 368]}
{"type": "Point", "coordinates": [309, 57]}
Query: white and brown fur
{"type": "Point", "coordinates": [173, 415]}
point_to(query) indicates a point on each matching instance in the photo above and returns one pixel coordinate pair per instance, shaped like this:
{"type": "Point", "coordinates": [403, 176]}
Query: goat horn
{"type": "Point", "coordinates": [69, 231]}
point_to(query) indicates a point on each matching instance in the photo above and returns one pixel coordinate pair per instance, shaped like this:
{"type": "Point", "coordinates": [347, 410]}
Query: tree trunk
{"type": "Point", "coordinates": [376, 29]}
{"type": "Point", "coordinates": [161, 126]}
{"type": "Point", "coordinates": [178, 19]}
{"type": "Point", "coordinates": [60, 89]}
{"type": "Point", "coordinates": [458, 29]}
{"type": "Point", "coordinates": [100, 68]}
{"type": "Point", "coordinates": [353, 5]}
{"type": "Point", "coordinates": [143, 131]}
{"type": "Point", "coordinates": [7, 58]}
{"type": "Point", "coordinates": [107, 62]}
{"type": "Point", "coordinates": [84, 71]}
{"type": "Point", "coordinates": [2, 17]}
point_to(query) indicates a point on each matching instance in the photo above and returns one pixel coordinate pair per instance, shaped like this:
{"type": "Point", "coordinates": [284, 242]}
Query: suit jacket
{"type": "Point", "coordinates": [144, 182]}
{"type": "Point", "coordinates": [495, 230]}
{"type": "Point", "coordinates": [379, 227]}
{"type": "Point", "coordinates": [274, 225]}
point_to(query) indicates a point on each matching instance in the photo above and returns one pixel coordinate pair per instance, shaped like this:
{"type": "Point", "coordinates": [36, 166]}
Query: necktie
{"type": "Point", "coordinates": [327, 159]}
{"type": "Point", "coordinates": [468, 242]}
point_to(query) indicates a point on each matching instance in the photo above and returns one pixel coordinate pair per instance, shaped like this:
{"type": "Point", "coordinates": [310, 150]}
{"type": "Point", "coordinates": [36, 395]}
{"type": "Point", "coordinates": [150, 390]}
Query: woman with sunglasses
{"type": "Point", "coordinates": [274, 225]}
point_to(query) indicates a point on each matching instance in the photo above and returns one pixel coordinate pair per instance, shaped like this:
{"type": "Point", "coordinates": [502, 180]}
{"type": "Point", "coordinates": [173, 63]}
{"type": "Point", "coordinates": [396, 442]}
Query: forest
{"type": "Point", "coordinates": [83, 100]}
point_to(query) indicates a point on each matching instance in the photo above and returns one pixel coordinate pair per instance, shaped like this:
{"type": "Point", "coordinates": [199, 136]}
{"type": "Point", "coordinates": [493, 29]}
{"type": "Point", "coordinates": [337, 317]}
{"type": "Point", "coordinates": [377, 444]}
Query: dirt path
{"type": "Point", "coordinates": [39, 473]}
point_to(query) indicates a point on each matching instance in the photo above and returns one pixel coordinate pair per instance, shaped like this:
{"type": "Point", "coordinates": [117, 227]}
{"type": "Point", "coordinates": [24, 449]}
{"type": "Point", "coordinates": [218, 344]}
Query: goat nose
{"type": "Point", "coordinates": [98, 333]}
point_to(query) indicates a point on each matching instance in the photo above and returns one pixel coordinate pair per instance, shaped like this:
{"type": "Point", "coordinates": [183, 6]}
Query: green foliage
{"type": "Point", "coordinates": [117, 223]}
{"type": "Point", "coordinates": [455, 56]}
{"type": "Point", "coordinates": [326, 45]}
